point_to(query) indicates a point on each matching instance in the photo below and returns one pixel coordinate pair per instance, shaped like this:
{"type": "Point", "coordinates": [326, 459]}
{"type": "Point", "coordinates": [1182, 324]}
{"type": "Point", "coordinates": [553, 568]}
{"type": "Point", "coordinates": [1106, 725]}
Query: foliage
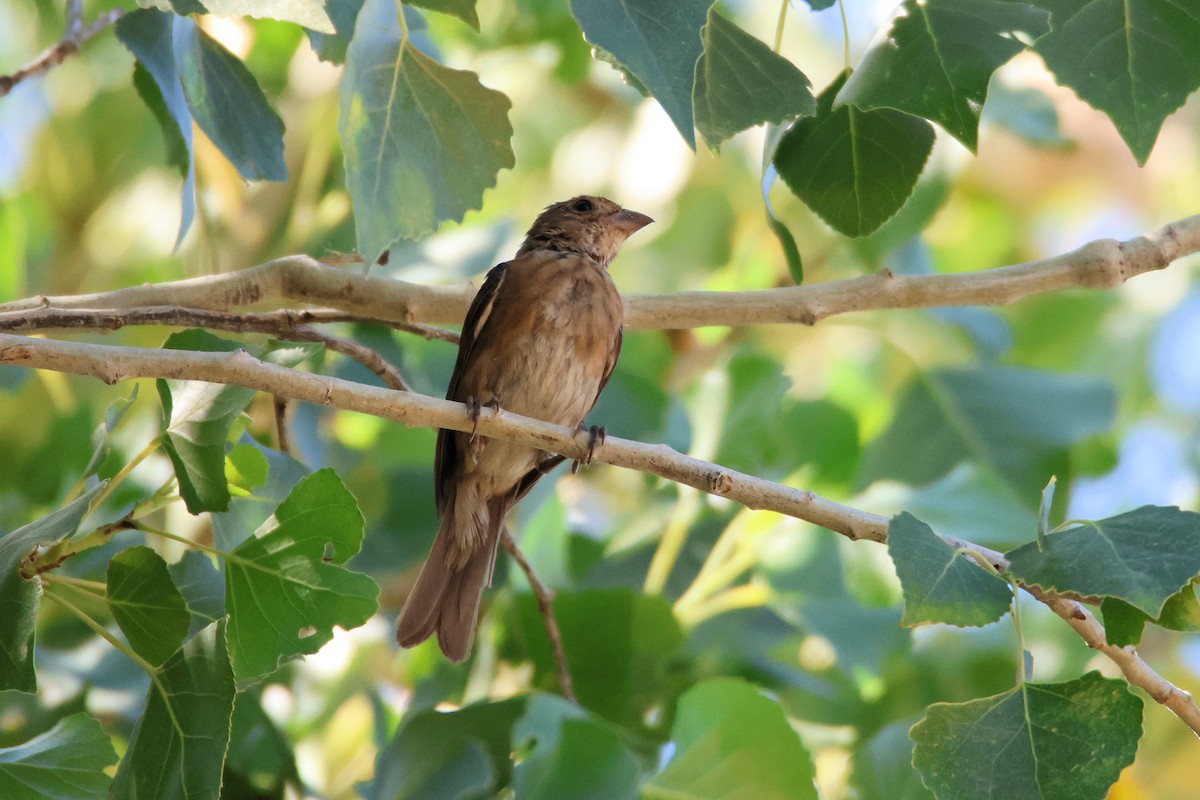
{"type": "Point", "coordinates": [176, 585]}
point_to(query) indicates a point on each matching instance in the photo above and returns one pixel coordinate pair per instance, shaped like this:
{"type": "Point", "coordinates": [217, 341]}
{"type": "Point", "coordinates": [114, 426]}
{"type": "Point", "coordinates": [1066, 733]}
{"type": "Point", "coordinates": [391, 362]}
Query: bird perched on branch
{"type": "Point", "coordinates": [541, 339]}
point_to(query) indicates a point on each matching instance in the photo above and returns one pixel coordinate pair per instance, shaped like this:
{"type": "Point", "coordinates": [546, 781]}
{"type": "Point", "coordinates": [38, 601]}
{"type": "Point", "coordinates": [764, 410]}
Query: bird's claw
{"type": "Point", "coordinates": [596, 436]}
{"type": "Point", "coordinates": [475, 408]}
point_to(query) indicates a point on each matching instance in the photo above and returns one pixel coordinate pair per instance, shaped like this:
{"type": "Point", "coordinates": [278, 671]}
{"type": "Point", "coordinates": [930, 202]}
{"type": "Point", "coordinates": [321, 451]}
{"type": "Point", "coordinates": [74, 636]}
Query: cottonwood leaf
{"type": "Point", "coordinates": [463, 9]}
{"type": "Point", "coordinates": [147, 606]}
{"type": "Point", "coordinates": [938, 57]}
{"type": "Point", "coordinates": [1014, 422]}
{"type": "Point", "coordinates": [19, 596]}
{"type": "Point", "coordinates": [287, 587]}
{"type": "Point", "coordinates": [178, 748]}
{"type": "Point", "coordinates": [740, 83]}
{"type": "Point", "coordinates": [421, 141]}
{"type": "Point", "coordinates": [854, 168]}
{"type": "Point", "coordinates": [1039, 741]}
{"type": "Point", "coordinates": [66, 762]}
{"type": "Point", "coordinates": [733, 743]}
{"type": "Point", "coordinates": [940, 583]}
{"type": "Point", "coordinates": [658, 42]}
{"type": "Point", "coordinates": [228, 103]}
{"type": "Point", "coordinates": [1143, 557]}
{"type": "Point", "coordinates": [1135, 60]}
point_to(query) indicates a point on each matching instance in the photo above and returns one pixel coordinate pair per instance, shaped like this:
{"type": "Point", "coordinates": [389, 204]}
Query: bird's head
{"type": "Point", "coordinates": [595, 227]}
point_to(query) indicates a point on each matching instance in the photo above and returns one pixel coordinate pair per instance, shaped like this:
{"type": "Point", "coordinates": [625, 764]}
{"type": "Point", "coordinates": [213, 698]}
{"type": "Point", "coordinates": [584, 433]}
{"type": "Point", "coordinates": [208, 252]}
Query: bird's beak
{"type": "Point", "coordinates": [629, 222]}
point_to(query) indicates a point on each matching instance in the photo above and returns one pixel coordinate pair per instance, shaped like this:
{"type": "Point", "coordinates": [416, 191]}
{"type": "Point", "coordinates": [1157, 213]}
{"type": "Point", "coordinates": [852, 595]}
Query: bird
{"type": "Point", "coordinates": [541, 339]}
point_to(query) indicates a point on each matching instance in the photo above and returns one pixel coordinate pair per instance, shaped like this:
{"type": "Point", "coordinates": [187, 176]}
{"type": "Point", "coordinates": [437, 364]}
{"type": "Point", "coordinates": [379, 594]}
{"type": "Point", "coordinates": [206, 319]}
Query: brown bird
{"type": "Point", "coordinates": [541, 339]}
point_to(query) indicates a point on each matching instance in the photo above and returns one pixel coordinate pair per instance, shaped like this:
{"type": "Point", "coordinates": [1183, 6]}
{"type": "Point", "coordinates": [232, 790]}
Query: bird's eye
{"type": "Point", "coordinates": [583, 205]}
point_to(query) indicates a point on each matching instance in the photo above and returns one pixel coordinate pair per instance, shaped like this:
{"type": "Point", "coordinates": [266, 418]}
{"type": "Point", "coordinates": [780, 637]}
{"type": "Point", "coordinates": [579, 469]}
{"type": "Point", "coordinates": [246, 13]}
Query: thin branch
{"type": "Point", "coordinates": [76, 34]}
{"type": "Point", "coordinates": [282, 440]}
{"type": "Point", "coordinates": [285, 323]}
{"type": "Point", "coordinates": [1101, 264]}
{"type": "Point", "coordinates": [545, 602]}
{"type": "Point", "coordinates": [113, 364]}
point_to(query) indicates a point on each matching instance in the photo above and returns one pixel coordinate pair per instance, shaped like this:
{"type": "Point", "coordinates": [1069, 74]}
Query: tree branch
{"type": "Point", "coordinates": [76, 34]}
{"type": "Point", "coordinates": [113, 364]}
{"type": "Point", "coordinates": [545, 602]}
{"type": "Point", "coordinates": [1102, 264]}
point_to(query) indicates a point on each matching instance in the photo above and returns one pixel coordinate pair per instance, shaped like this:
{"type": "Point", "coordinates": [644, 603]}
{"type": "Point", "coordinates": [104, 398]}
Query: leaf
{"type": "Point", "coordinates": [741, 83]}
{"type": "Point", "coordinates": [1142, 557]}
{"type": "Point", "coordinates": [1027, 112]}
{"type": "Point", "coordinates": [246, 514]}
{"type": "Point", "coordinates": [421, 141]}
{"type": "Point", "coordinates": [883, 767]}
{"type": "Point", "coordinates": [938, 57]}
{"type": "Point", "coordinates": [733, 743]}
{"type": "Point", "coordinates": [1135, 60]}
{"type": "Point", "coordinates": [941, 584]}
{"type": "Point", "coordinates": [177, 750]}
{"type": "Point", "coordinates": [19, 597]}
{"type": "Point", "coordinates": [1043, 741]}
{"type": "Point", "coordinates": [569, 755]}
{"type": "Point", "coordinates": [146, 605]}
{"type": "Point", "coordinates": [287, 588]}
{"type": "Point", "coordinates": [228, 104]}
{"type": "Point", "coordinates": [100, 437]}
{"type": "Point", "coordinates": [66, 762]}
{"type": "Point", "coordinates": [853, 168]}
{"type": "Point", "coordinates": [447, 755]}
{"type": "Point", "coordinates": [791, 253]}
{"type": "Point", "coordinates": [618, 644]}
{"type": "Point", "coordinates": [658, 42]}
{"type": "Point", "coordinates": [199, 418]}
{"type": "Point", "coordinates": [1013, 421]}
{"type": "Point", "coordinates": [158, 85]}
{"type": "Point", "coordinates": [308, 13]}
{"type": "Point", "coordinates": [463, 9]}
{"type": "Point", "coordinates": [202, 587]}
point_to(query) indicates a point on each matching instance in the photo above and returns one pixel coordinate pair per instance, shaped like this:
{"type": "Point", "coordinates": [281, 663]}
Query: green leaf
{"type": "Point", "coordinates": [463, 9]}
{"type": "Point", "coordinates": [177, 750]}
{"type": "Point", "coordinates": [618, 644]}
{"type": "Point", "coordinates": [447, 756]}
{"type": "Point", "coordinates": [938, 57]}
{"type": "Point", "coordinates": [228, 104]}
{"type": "Point", "coordinates": [791, 253]}
{"type": "Point", "coordinates": [853, 168]}
{"type": "Point", "coordinates": [199, 416]}
{"type": "Point", "coordinates": [741, 83]}
{"type": "Point", "coordinates": [202, 587]}
{"type": "Point", "coordinates": [1015, 422]}
{"type": "Point", "coordinates": [1135, 60]}
{"type": "Point", "coordinates": [1123, 624]}
{"type": "Point", "coordinates": [570, 756]}
{"type": "Point", "coordinates": [100, 437]}
{"type": "Point", "coordinates": [246, 466]}
{"type": "Point", "coordinates": [146, 605]}
{"type": "Point", "coordinates": [1028, 113]}
{"type": "Point", "coordinates": [733, 743]}
{"type": "Point", "coordinates": [258, 750]}
{"type": "Point", "coordinates": [658, 42]}
{"type": "Point", "coordinates": [308, 13]}
{"type": "Point", "coordinates": [19, 597]}
{"type": "Point", "coordinates": [1041, 741]}
{"type": "Point", "coordinates": [1143, 557]}
{"type": "Point", "coordinates": [287, 587]}
{"type": "Point", "coordinates": [940, 583]}
{"type": "Point", "coordinates": [422, 142]}
{"type": "Point", "coordinates": [147, 34]}
{"type": "Point", "coordinates": [883, 767]}
{"type": "Point", "coordinates": [66, 762]}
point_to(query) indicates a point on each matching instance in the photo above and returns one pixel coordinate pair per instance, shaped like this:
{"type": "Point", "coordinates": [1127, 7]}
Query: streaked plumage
{"type": "Point", "coordinates": [540, 340]}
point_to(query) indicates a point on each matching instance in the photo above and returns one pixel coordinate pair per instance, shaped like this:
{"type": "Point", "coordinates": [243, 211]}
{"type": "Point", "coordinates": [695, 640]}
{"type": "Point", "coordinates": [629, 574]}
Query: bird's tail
{"type": "Point", "coordinates": [445, 599]}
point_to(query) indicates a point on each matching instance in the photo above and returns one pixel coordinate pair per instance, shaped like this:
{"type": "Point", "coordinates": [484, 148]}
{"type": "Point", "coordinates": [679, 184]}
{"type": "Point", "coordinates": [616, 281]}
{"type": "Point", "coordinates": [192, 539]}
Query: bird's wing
{"type": "Point", "coordinates": [447, 456]}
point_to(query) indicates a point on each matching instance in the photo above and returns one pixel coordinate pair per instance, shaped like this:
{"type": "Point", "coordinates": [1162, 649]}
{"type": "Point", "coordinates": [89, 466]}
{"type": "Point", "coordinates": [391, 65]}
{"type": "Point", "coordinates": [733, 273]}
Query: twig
{"type": "Point", "coordinates": [76, 34]}
{"type": "Point", "coordinates": [285, 323]}
{"type": "Point", "coordinates": [281, 425]}
{"type": "Point", "coordinates": [113, 364]}
{"type": "Point", "coordinates": [545, 602]}
{"type": "Point", "coordinates": [1102, 264]}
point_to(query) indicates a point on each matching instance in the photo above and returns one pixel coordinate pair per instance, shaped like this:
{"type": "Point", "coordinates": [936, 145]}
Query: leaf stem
{"type": "Point", "coordinates": [101, 631]}
{"type": "Point", "coordinates": [1016, 615]}
{"type": "Point", "coordinates": [783, 9]}
{"type": "Point", "coordinates": [145, 452]}
{"type": "Point", "coordinates": [845, 34]}
{"type": "Point", "coordinates": [212, 551]}
{"type": "Point", "coordinates": [748, 595]}
{"type": "Point", "coordinates": [672, 541]}
{"type": "Point", "coordinates": [91, 587]}
{"type": "Point", "coordinates": [403, 22]}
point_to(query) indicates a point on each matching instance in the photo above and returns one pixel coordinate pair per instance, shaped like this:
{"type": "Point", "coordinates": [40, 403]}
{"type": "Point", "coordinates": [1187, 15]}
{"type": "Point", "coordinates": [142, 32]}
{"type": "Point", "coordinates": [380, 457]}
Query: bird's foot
{"type": "Point", "coordinates": [475, 408]}
{"type": "Point", "coordinates": [596, 436]}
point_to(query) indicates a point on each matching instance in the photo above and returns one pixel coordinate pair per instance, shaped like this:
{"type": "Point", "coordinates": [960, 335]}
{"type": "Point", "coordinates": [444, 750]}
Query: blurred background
{"type": "Point", "coordinates": [87, 204]}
